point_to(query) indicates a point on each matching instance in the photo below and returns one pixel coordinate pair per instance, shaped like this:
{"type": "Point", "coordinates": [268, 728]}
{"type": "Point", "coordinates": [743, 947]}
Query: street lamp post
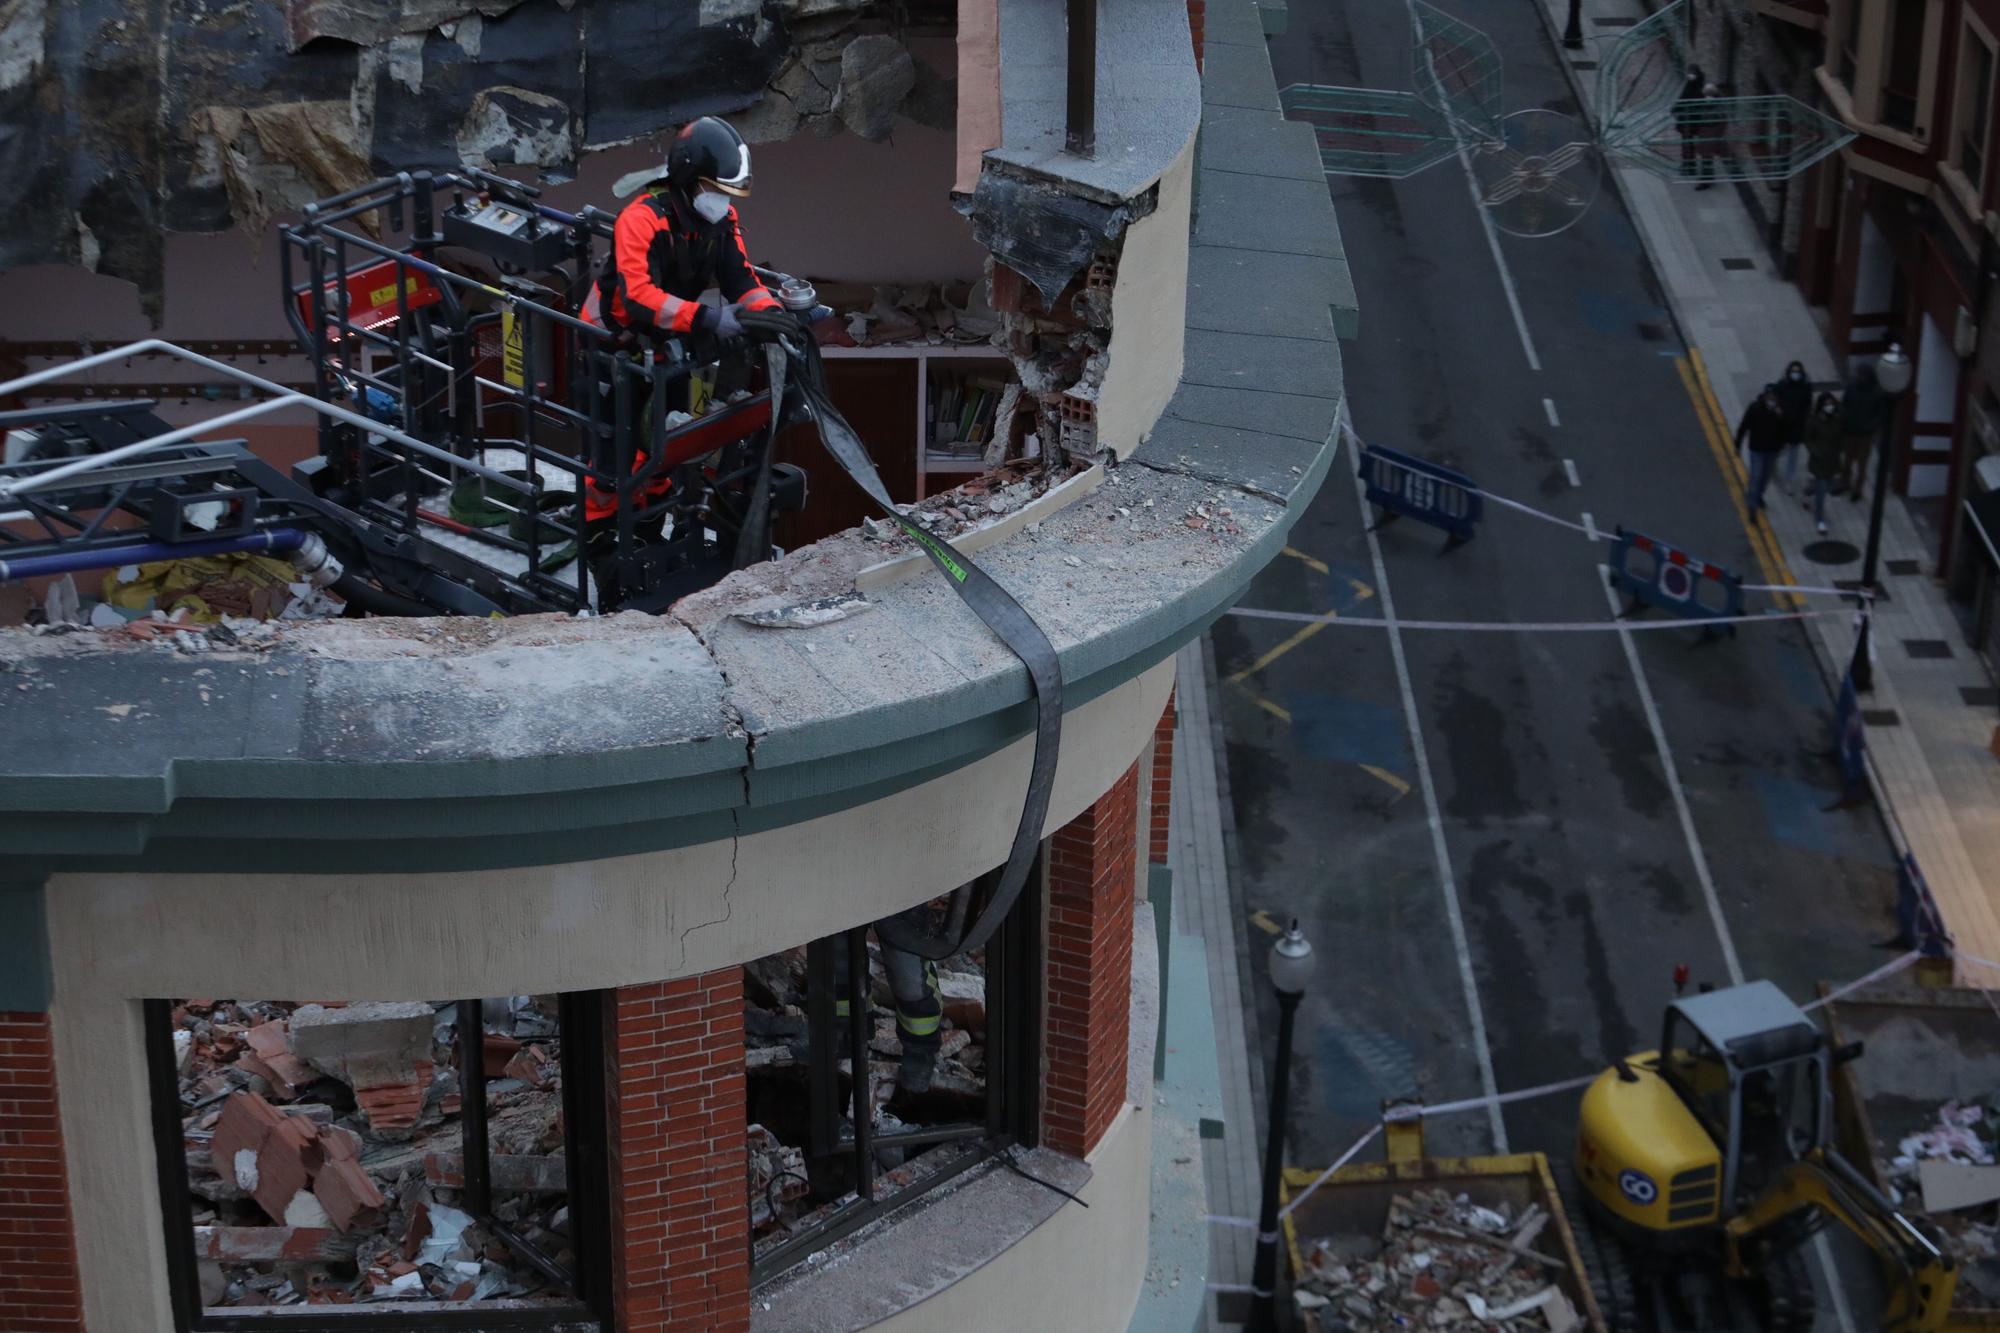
{"type": "Point", "coordinates": [1291, 968]}
{"type": "Point", "coordinates": [1892, 376]}
{"type": "Point", "coordinates": [1573, 28]}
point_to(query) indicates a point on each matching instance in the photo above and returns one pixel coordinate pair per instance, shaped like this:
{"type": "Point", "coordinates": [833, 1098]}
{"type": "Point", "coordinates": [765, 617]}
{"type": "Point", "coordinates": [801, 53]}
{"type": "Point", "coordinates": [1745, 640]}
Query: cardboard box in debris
{"type": "Point", "coordinates": [1442, 1262]}
{"type": "Point", "coordinates": [323, 1151]}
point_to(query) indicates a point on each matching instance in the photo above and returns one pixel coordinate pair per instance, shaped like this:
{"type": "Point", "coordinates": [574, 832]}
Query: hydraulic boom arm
{"type": "Point", "coordinates": [1922, 1278]}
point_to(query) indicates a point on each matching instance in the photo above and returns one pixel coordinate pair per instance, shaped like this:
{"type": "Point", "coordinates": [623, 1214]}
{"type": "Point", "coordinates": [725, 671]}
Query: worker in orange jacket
{"type": "Point", "coordinates": [675, 240]}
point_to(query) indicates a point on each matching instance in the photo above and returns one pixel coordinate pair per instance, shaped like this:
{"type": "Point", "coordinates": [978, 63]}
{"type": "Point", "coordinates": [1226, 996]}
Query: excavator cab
{"type": "Point", "coordinates": [1711, 1158]}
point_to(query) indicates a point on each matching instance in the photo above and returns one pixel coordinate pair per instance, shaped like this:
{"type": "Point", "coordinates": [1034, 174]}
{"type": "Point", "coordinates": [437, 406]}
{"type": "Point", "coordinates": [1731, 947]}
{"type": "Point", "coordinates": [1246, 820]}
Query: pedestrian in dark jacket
{"type": "Point", "coordinates": [1823, 454]}
{"type": "Point", "coordinates": [1763, 431]}
{"type": "Point", "coordinates": [1795, 400]}
{"type": "Point", "coordinates": [1863, 409]}
{"type": "Point", "coordinates": [1688, 123]}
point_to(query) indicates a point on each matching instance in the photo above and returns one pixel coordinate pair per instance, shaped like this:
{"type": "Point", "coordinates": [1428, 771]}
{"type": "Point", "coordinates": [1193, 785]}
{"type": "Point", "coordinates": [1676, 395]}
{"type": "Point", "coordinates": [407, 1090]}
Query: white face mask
{"type": "Point", "coordinates": [712, 206]}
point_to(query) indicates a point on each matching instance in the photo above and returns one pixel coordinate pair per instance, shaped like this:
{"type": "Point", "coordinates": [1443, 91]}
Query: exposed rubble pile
{"type": "Point", "coordinates": [323, 1153]}
{"type": "Point", "coordinates": [788, 1190]}
{"type": "Point", "coordinates": [953, 313]}
{"type": "Point", "coordinates": [1443, 1262]}
{"type": "Point", "coordinates": [169, 598]}
{"type": "Point", "coordinates": [983, 500]}
{"type": "Point", "coordinates": [1950, 1171]}
{"type": "Point", "coordinates": [1059, 355]}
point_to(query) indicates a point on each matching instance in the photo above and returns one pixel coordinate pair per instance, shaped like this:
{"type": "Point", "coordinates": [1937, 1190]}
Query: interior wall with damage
{"type": "Point", "coordinates": [134, 119]}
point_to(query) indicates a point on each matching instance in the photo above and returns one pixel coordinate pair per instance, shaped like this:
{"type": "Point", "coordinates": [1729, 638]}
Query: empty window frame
{"type": "Point", "coordinates": [830, 1152]}
{"type": "Point", "coordinates": [1973, 116]}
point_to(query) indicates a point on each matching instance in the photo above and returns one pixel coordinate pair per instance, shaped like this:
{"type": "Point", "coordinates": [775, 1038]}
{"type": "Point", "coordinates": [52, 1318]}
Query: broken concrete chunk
{"type": "Point", "coordinates": [356, 1041]}
{"type": "Point", "coordinates": [508, 126]}
{"type": "Point", "coordinates": [370, 22]}
{"type": "Point", "coordinates": [876, 74]}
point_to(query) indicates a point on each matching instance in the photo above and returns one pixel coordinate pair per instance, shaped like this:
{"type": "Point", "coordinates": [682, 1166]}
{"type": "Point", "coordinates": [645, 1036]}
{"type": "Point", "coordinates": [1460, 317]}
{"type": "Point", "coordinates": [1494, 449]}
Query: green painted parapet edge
{"type": "Point", "coordinates": [27, 980]}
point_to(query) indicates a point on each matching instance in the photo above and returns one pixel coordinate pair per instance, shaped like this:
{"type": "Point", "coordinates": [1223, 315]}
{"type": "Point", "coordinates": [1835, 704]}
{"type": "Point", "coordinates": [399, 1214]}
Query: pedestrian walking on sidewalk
{"type": "Point", "coordinates": [1763, 431]}
{"type": "Point", "coordinates": [1687, 121]}
{"type": "Point", "coordinates": [1824, 450]}
{"type": "Point", "coordinates": [1701, 132]}
{"type": "Point", "coordinates": [1795, 399]}
{"type": "Point", "coordinates": [1863, 409]}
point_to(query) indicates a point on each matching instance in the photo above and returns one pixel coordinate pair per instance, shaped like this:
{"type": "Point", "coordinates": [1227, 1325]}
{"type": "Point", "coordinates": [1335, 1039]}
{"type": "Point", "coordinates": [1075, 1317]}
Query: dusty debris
{"type": "Point", "coordinates": [316, 1201]}
{"type": "Point", "coordinates": [1442, 1262]}
{"type": "Point", "coordinates": [789, 1189]}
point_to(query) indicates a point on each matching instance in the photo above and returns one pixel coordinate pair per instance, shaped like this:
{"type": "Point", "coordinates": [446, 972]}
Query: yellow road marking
{"type": "Point", "coordinates": [1262, 920]}
{"type": "Point", "coordinates": [1294, 641]}
{"type": "Point", "coordinates": [1272, 708]}
{"type": "Point", "coordinates": [1402, 787]}
{"type": "Point", "coordinates": [1318, 566]}
{"type": "Point", "coordinates": [1763, 542]}
{"type": "Point", "coordinates": [1362, 592]}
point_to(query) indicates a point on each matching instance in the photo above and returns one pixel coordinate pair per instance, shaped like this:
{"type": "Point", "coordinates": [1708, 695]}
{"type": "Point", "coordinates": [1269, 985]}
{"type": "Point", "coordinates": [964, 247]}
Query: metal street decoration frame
{"type": "Point", "coordinates": [1534, 175]}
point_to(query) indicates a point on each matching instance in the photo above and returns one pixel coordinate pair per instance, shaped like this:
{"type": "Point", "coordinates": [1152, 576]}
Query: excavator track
{"type": "Point", "coordinates": [1787, 1298]}
{"type": "Point", "coordinates": [1603, 1257]}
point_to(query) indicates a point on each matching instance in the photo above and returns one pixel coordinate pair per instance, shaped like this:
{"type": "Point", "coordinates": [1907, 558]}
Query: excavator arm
{"type": "Point", "coordinates": [1922, 1277]}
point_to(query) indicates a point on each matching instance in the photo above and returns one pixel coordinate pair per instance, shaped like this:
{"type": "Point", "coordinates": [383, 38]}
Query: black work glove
{"type": "Point", "coordinates": [764, 325]}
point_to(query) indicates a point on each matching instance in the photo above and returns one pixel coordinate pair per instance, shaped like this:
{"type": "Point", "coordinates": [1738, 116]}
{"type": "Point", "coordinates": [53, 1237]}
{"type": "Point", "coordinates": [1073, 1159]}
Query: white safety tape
{"type": "Point", "coordinates": [1976, 960]}
{"type": "Point", "coordinates": [1418, 1111]}
{"type": "Point", "coordinates": [1886, 970]}
{"type": "Point", "coordinates": [1530, 626]}
{"type": "Point", "coordinates": [1591, 531]}
{"type": "Point", "coordinates": [1545, 516]}
{"type": "Point", "coordinates": [1327, 1174]}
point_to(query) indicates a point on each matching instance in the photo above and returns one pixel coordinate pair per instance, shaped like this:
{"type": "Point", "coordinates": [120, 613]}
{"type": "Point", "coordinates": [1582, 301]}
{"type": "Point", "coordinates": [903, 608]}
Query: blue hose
{"type": "Point", "coordinates": [271, 541]}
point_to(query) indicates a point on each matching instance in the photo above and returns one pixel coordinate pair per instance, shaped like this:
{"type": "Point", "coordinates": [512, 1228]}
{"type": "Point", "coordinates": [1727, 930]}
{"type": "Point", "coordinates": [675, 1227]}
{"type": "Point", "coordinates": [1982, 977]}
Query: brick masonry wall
{"type": "Point", "coordinates": [1197, 20]}
{"type": "Point", "coordinates": [1161, 797]}
{"type": "Point", "coordinates": [39, 1290]}
{"type": "Point", "coordinates": [1092, 862]}
{"type": "Point", "coordinates": [680, 1216]}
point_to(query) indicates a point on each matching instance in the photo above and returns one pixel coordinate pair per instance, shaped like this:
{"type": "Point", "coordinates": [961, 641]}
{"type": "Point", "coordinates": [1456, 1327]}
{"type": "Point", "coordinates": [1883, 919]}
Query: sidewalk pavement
{"type": "Point", "coordinates": [1936, 780]}
{"type": "Point", "coordinates": [1202, 908]}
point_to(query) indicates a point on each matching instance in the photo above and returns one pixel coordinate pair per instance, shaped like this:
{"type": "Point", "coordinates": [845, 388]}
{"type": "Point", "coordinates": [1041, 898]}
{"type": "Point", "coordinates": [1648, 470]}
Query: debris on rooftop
{"type": "Point", "coordinates": [324, 1154]}
{"type": "Point", "coordinates": [1442, 1262]}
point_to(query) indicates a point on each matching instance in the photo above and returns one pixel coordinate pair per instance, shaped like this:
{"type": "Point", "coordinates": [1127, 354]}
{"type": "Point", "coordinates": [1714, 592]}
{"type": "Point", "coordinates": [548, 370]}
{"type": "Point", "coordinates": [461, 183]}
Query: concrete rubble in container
{"type": "Point", "coordinates": [323, 1152]}
{"type": "Point", "coordinates": [1964, 1135]}
{"type": "Point", "coordinates": [787, 1192]}
{"type": "Point", "coordinates": [1442, 1262]}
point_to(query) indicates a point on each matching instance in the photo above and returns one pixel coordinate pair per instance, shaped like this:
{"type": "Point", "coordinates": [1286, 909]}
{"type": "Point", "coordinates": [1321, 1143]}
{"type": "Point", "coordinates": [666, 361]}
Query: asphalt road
{"type": "Point", "coordinates": [1557, 844]}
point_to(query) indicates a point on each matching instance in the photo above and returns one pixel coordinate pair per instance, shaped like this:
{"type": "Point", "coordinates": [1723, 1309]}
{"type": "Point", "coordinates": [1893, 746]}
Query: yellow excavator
{"type": "Point", "coordinates": [1712, 1156]}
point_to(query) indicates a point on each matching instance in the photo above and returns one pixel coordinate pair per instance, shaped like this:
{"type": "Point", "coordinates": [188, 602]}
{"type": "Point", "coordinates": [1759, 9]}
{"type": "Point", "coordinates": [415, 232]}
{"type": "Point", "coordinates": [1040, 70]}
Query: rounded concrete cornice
{"type": "Point", "coordinates": [446, 744]}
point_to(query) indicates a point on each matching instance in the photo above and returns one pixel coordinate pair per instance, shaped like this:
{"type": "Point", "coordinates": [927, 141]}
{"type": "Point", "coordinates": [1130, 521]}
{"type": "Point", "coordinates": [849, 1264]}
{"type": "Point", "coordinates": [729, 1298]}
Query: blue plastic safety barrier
{"type": "Point", "coordinates": [1850, 743]}
{"type": "Point", "coordinates": [1919, 925]}
{"type": "Point", "coordinates": [1652, 573]}
{"type": "Point", "coordinates": [1403, 486]}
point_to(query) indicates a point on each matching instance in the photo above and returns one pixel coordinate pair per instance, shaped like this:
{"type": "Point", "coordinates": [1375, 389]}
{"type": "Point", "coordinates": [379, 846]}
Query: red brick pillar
{"type": "Point", "coordinates": [1092, 864]}
{"type": "Point", "coordinates": [1197, 20]}
{"type": "Point", "coordinates": [39, 1290]}
{"type": "Point", "coordinates": [1159, 834]}
{"type": "Point", "coordinates": [680, 1213]}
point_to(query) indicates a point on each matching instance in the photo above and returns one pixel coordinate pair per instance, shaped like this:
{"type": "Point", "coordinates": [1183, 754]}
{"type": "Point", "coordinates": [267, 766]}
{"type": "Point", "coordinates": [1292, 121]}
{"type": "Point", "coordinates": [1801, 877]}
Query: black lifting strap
{"type": "Point", "coordinates": [1002, 614]}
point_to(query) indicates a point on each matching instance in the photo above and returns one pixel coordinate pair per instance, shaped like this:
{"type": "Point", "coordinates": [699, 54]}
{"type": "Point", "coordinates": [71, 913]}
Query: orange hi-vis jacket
{"type": "Point", "coordinates": [665, 256]}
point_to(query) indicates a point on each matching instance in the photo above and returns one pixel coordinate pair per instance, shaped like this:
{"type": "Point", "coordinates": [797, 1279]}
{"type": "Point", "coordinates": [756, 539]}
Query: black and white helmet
{"type": "Point", "coordinates": [708, 154]}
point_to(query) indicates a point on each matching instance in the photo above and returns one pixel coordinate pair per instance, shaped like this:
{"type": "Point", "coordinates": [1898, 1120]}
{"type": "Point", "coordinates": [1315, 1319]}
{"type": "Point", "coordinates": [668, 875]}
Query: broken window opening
{"type": "Point", "coordinates": [323, 1164]}
{"type": "Point", "coordinates": [950, 1073]}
